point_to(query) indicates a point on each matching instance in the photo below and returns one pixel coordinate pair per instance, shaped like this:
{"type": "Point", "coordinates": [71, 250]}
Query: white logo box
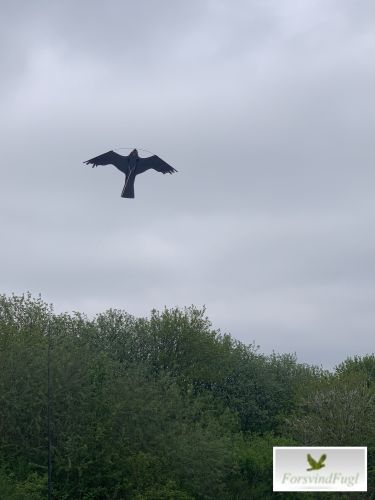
{"type": "Point", "coordinates": [345, 468]}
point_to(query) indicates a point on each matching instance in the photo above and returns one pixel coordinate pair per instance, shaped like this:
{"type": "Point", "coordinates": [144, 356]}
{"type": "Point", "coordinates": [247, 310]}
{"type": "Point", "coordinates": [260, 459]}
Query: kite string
{"type": "Point", "coordinates": [128, 177]}
{"type": "Point", "coordinates": [140, 149]}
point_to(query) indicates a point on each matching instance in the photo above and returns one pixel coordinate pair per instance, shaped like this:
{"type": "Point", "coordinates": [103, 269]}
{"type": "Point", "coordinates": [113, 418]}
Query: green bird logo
{"type": "Point", "coordinates": [314, 464]}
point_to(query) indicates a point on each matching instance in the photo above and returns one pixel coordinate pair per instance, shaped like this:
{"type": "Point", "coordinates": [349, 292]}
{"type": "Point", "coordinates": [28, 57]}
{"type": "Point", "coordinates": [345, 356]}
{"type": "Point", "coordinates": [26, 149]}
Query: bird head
{"type": "Point", "coordinates": [134, 152]}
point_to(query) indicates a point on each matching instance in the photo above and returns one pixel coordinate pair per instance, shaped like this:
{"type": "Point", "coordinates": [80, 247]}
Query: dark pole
{"type": "Point", "coordinates": [49, 414]}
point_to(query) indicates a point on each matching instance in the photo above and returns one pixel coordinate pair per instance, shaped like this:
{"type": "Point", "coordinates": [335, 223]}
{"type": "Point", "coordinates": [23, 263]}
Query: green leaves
{"type": "Point", "coordinates": [161, 407]}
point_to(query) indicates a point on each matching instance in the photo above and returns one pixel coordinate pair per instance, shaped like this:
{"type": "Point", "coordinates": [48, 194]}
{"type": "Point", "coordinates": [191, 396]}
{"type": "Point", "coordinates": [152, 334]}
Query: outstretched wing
{"type": "Point", "coordinates": [156, 163]}
{"type": "Point", "coordinates": [322, 460]}
{"type": "Point", "coordinates": [109, 158]}
{"type": "Point", "coordinates": [311, 461]}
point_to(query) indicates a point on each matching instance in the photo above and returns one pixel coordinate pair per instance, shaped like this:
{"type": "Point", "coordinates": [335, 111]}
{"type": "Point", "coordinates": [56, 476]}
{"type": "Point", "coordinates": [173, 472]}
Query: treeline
{"type": "Point", "coordinates": [163, 407]}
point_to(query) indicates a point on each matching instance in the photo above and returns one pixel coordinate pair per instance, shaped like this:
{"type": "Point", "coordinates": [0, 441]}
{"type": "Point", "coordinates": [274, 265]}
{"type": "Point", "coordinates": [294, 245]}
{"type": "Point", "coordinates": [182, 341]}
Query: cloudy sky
{"type": "Point", "coordinates": [267, 110]}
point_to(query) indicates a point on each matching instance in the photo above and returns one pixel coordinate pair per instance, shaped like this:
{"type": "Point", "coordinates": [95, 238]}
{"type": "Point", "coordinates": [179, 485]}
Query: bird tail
{"type": "Point", "coordinates": [128, 189]}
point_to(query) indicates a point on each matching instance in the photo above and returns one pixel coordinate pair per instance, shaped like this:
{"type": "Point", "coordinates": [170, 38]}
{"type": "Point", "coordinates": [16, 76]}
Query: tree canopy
{"type": "Point", "coordinates": [164, 407]}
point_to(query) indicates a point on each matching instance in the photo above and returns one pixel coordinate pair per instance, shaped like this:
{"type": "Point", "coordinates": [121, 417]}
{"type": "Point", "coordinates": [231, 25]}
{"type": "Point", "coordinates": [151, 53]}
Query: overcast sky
{"type": "Point", "coordinates": [266, 109]}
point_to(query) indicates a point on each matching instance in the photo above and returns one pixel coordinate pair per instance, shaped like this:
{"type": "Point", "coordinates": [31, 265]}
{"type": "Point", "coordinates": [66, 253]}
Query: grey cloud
{"type": "Point", "coordinates": [265, 110]}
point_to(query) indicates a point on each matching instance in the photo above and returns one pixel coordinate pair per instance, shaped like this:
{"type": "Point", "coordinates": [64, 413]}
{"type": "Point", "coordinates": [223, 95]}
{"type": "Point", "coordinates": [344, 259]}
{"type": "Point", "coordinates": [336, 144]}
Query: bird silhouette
{"type": "Point", "coordinates": [131, 165]}
{"type": "Point", "coordinates": [316, 465]}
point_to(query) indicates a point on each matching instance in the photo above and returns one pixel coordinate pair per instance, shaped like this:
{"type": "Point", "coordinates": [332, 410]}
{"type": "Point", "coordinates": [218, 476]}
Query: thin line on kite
{"type": "Point", "coordinates": [138, 149]}
{"type": "Point", "coordinates": [128, 176]}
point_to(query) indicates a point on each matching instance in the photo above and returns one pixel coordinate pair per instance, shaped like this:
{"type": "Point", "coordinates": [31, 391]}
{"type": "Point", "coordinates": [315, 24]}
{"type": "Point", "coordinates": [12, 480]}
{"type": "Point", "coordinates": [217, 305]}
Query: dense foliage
{"type": "Point", "coordinates": [162, 407]}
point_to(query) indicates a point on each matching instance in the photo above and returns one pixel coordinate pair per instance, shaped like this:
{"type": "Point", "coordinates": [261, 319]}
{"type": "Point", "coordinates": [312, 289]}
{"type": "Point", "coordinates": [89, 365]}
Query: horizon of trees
{"type": "Point", "coordinates": [164, 407]}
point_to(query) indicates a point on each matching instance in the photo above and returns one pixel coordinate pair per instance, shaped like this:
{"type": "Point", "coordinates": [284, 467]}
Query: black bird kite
{"type": "Point", "coordinates": [131, 166]}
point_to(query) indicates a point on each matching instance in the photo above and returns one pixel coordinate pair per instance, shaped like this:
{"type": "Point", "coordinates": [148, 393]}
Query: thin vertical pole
{"type": "Point", "coordinates": [49, 414]}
